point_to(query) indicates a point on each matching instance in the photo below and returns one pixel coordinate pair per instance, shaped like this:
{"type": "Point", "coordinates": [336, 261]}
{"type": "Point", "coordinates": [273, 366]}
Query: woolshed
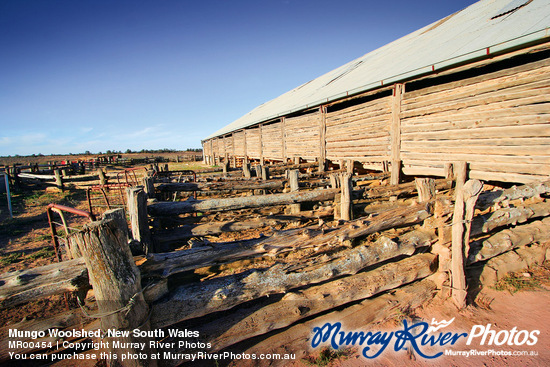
{"type": "Point", "coordinates": [473, 87]}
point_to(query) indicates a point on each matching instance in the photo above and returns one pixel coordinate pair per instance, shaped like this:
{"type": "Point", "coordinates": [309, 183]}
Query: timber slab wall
{"type": "Point", "coordinates": [493, 114]}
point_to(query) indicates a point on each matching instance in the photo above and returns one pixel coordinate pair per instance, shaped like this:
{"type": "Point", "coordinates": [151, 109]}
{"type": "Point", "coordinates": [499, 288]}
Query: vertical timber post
{"type": "Point", "coordinates": [425, 188]}
{"type": "Point", "coordinates": [395, 134]}
{"type": "Point", "coordinates": [472, 189]}
{"type": "Point", "coordinates": [137, 211]}
{"type": "Point", "coordinates": [246, 168]}
{"type": "Point", "coordinates": [260, 131]}
{"type": "Point", "coordinates": [346, 187]}
{"type": "Point", "coordinates": [350, 165]}
{"type": "Point", "coordinates": [283, 138]}
{"type": "Point", "coordinates": [323, 142]}
{"type": "Point", "coordinates": [294, 186]}
{"type": "Point", "coordinates": [457, 250]}
{"type": "Point", "coordinates": [149, 186]}
{"type": "Point", "coordinates": [58, 179]}
{"type": "Point", "coordinates": [265, 172]}
{"type": "Point", "coordinates": [102, 178]}
{"type": "Point", "coordinates": [117, 287]}
{"type": "Point", "coordinates": [225, 167]}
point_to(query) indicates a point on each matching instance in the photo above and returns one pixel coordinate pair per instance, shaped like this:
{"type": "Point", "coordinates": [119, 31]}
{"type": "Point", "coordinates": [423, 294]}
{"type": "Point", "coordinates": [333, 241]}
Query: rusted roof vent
{"type": "Point", "coordinates": [511, 7]}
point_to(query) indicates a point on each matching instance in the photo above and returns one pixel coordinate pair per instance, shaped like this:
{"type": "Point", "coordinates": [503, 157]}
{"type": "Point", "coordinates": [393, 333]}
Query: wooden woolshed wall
{"type": "Point", "coordinates": [474, 87]}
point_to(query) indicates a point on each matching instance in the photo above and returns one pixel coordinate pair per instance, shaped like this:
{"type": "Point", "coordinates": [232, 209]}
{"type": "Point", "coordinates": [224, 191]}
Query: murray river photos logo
{"type": "Point", "coordinates": [418, 336]}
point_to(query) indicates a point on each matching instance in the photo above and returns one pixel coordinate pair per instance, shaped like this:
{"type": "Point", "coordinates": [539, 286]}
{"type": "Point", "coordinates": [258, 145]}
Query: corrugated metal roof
{"type": "Point", "coordinates": [463, 36]}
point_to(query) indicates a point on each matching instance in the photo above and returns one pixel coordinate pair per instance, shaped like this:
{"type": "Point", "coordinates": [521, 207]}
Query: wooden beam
{"type": "Point", "coordinates": [137, 211]}
{"type": "Point", "coordinates": [395, 133]}
{"type": "Point", "coordinates": [190, 206]}
{"type": "Point", "coordinates": [457, 271]}
{"type": "Point", "coordinates": [33, 284]}
{"type": "Point", "coordinates": [346, 187]}
{"type": "Point", "coordinates": [294, 187]}
{"type": "Point", "coordinates": [322, 135]}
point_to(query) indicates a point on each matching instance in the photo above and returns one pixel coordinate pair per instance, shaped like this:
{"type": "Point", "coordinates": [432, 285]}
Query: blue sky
{"type": "Point", "coordinates": [103, 75]}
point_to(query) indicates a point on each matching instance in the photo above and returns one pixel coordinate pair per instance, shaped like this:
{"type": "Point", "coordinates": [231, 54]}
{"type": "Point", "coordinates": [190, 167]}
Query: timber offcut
{"type": "Point", "coordinates": [473, 87]}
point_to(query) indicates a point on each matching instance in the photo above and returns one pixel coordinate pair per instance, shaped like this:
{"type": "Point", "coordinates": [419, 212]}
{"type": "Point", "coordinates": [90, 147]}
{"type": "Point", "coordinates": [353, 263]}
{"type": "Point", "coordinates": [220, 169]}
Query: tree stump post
{"type": "Point", "coordinates": [137, 211]}
{"type": "Point", "coordinates": [117, 287]}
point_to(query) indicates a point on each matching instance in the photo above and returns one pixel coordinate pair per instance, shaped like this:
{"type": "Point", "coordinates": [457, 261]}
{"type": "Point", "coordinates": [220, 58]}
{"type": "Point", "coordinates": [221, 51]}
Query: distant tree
{"type": "Point", "coordinates": [128, 151]}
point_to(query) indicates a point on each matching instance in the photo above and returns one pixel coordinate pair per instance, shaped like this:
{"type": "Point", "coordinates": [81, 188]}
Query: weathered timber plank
{"type": "Point", "coordinates": [297, 339]}
{"type": "Point", "coordinates": [536, 159]}
{"type": "Point", "coordinates": [195, 300]}
{"type": "Point", "coordinates": [473, 81]}
{"type": "Point", "coordinates": [506, 216]}
{"type": "Point", "coordinates": [22, 286]}
{"type": "Point", "coordinates": [487, 199]}
{"type": "Point", "coordinates": [491, 93]}
{"type": "Point", "coordinates": [207, 186]}
{"type": "Point", "coordinates": [190, 206]}
{"type": "Point", "coordinates": [508, 239]}
{"type": "Point", "coordinates": [295, 306]}
{"type": "Point", "coordinates": [526, 131]}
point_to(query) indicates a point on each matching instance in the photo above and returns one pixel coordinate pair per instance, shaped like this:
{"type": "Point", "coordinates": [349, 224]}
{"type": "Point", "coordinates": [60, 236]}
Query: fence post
{"type": "Point", "coordinates": [149, 186]}
{"type": "Point", "coordinates": [117, 287]}
{"type": "Point", "coordinates": [459, 292]}
{"type": "Point", "coordinates": [246, 169]}
{"type": "Point", "coordinates": [265, 173]}
{"type": "Point", "coordinates": [102, 178]}
{"type": "Point", "coordinates": [346, 211]}
{"type": "Point", "coordinates": [58, 179]}
{"type": "Point", "coordinates": [137, 211]}
{"type": "Point", "coordinates": [8, 195]}
{"type": "Point", "coordinates": [225, 167]}
{"type": "Point", "coordinates": [294, 186]}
